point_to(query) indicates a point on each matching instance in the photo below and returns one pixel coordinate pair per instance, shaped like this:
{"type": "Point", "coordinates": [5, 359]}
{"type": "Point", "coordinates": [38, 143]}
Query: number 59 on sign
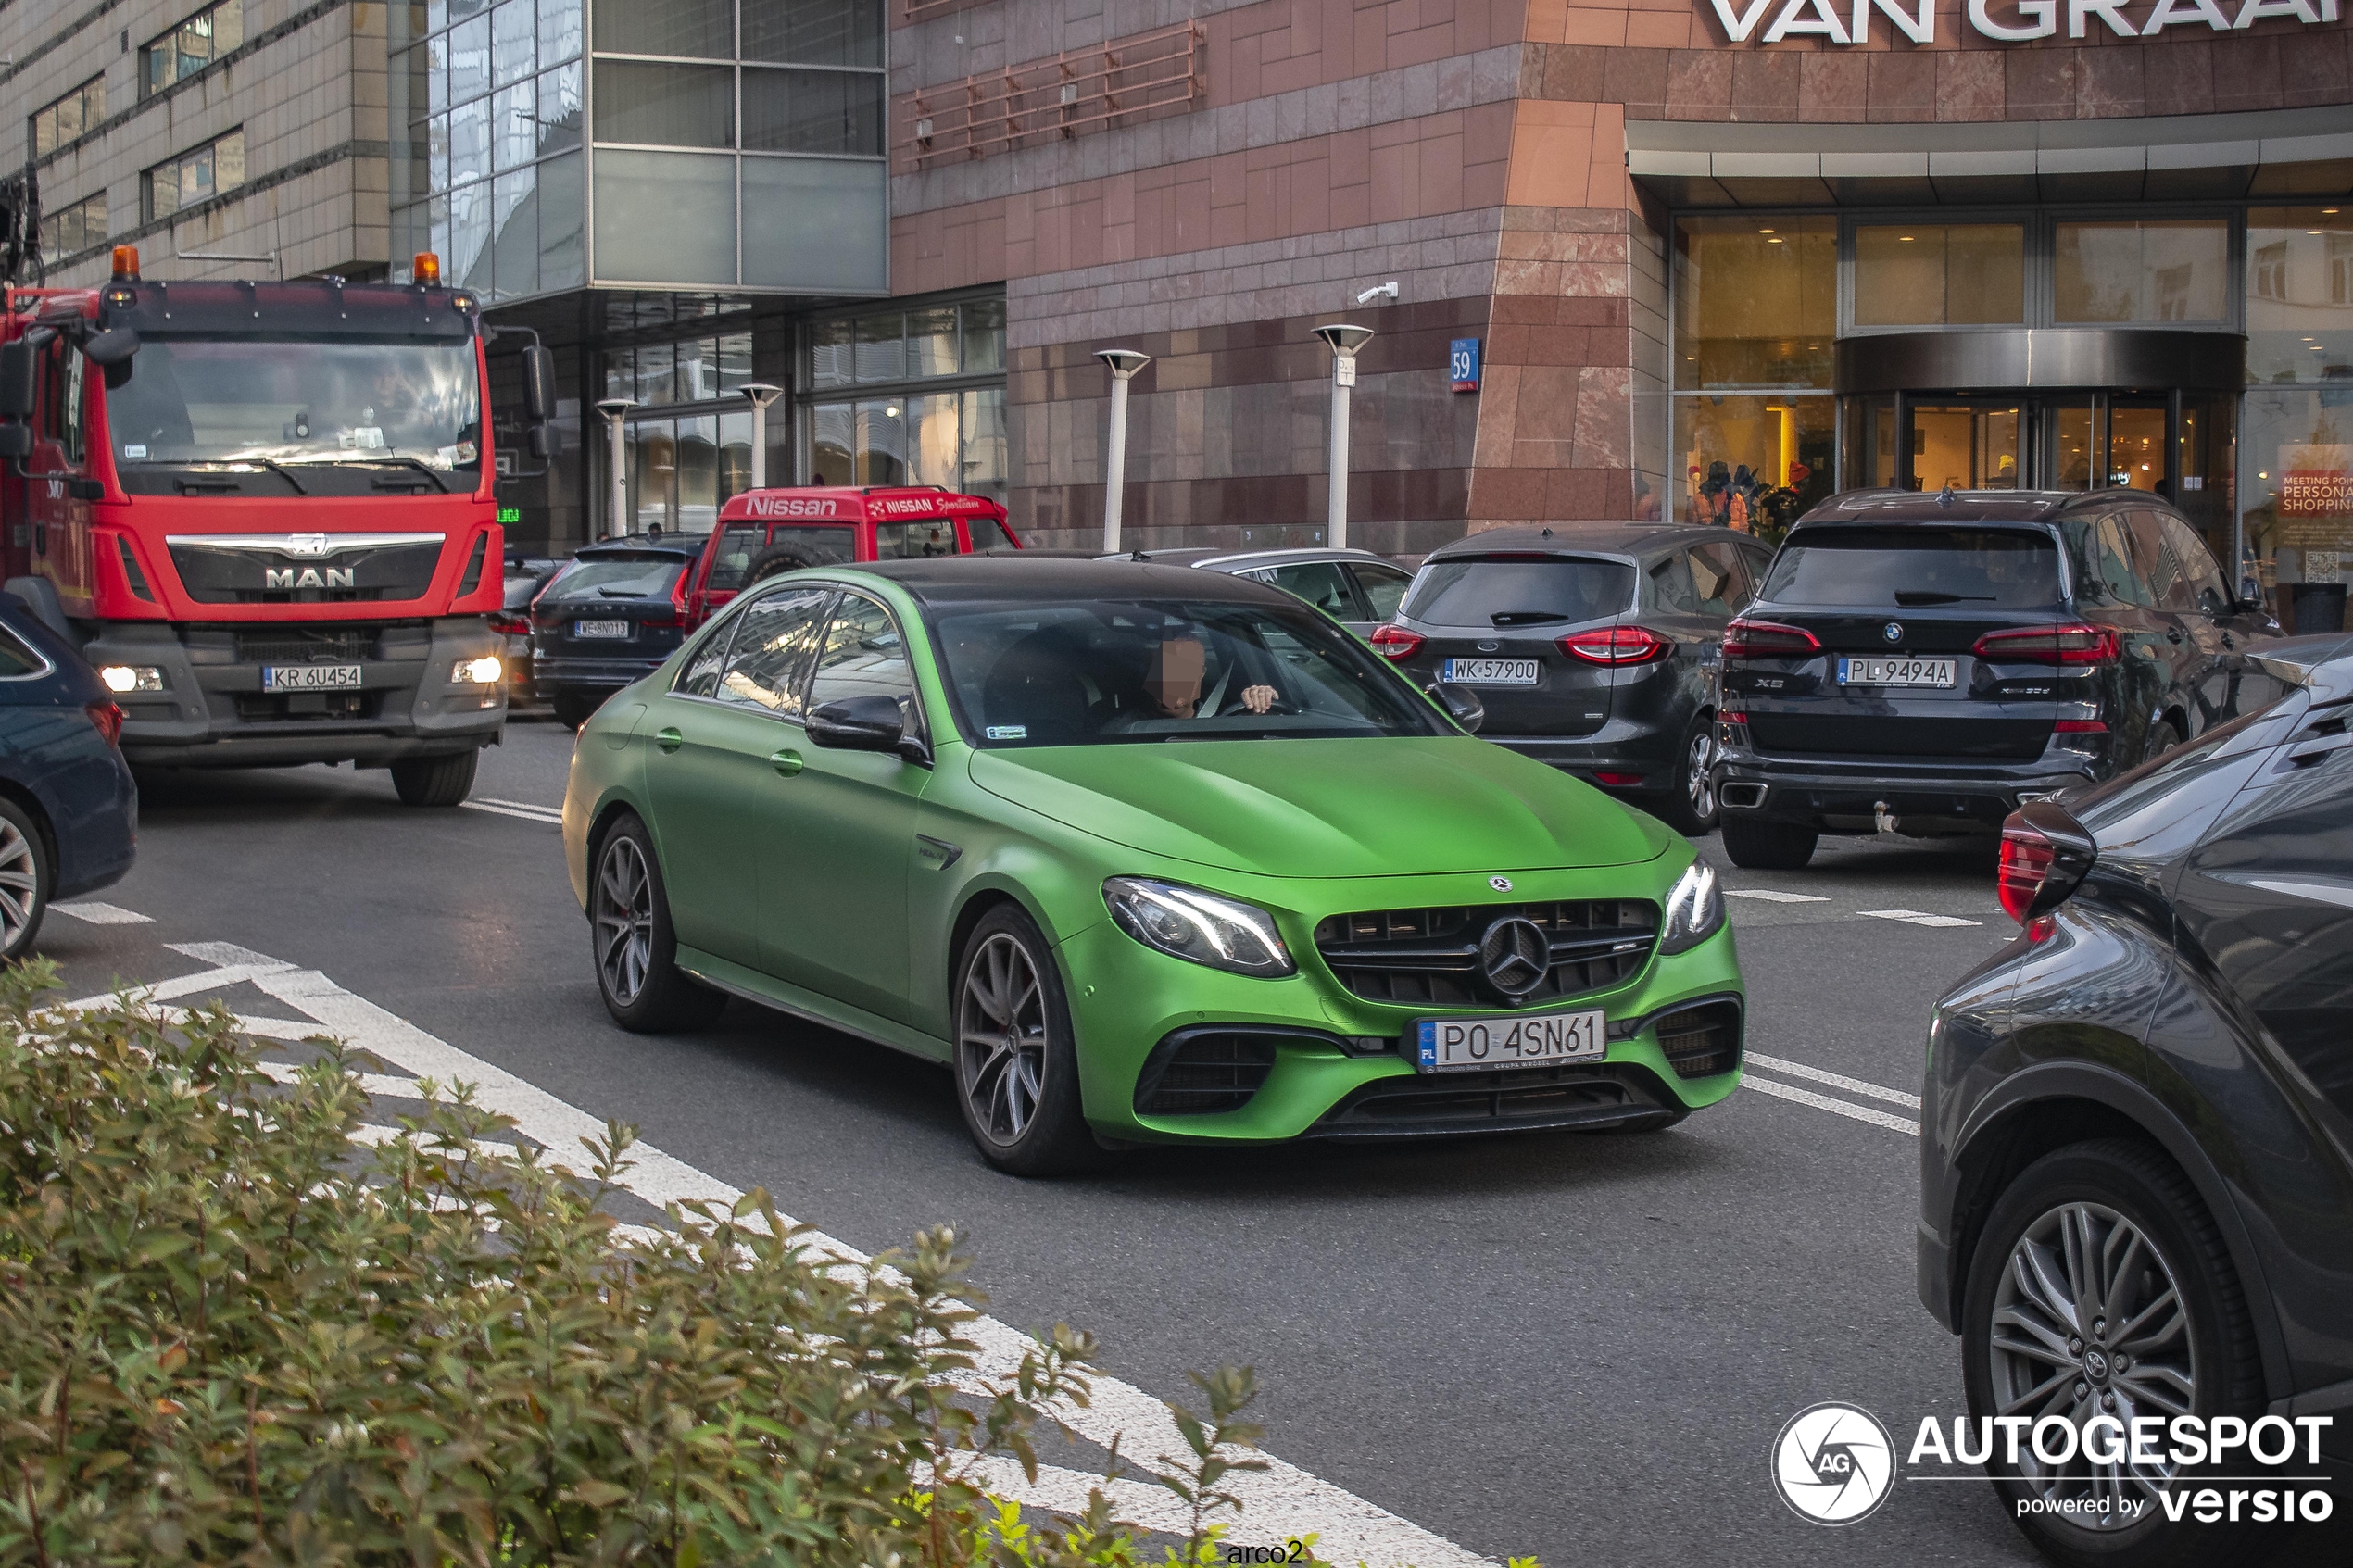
{"type": "Point", "coordinates": [1462, 364]}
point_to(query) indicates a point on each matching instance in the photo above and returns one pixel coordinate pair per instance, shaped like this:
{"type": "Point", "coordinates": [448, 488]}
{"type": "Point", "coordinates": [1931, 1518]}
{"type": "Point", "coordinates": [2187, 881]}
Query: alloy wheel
{"type": "Point", "coordinates": [19, 885]}
{"type": "Point", "coordinates": [1696, 783]}
{"type": "Point", "coordinates": [623, 919]}
{"type": "Point", "coordinates": [2090, 1321]}
{"type": "Point", "coordinates": [1001, 1037]}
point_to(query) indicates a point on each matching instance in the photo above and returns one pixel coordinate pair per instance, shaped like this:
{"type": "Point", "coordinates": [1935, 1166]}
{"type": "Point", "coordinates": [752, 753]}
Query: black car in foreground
{"type": "Point", "coordinates": [1592, 646]}
{"type": "Point", "coordinates": [2136, 1142]}
{"type": "Point", "coordinates": [1922, 664]}
{"type": "Point", "coordinates": [614, 613]}
{"type": "Point", "coordinates": [69, 810]}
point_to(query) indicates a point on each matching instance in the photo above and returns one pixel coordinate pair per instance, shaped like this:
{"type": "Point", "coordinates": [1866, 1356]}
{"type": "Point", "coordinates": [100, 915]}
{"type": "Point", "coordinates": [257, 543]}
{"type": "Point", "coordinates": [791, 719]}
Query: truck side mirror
{"type": "Point", "coordinates": [15, 441]}
{"type": "Point", "coordinates": [543, 442]}
{"type": "Point", "coordinates": [15, 380]}
{"type": "Point", "coordinates": [111, 348]}
{"type": "Point", "coordinates": [538, 385]}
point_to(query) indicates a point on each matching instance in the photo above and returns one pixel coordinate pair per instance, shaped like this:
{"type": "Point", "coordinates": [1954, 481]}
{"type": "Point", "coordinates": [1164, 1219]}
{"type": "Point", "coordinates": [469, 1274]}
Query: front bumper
{"type": "Point", "coordinates": [213, 714]}
{"type": "Point", "coordinates": [1340, 1067]}
{"type": "Point", "coordinates": [1886, 793]}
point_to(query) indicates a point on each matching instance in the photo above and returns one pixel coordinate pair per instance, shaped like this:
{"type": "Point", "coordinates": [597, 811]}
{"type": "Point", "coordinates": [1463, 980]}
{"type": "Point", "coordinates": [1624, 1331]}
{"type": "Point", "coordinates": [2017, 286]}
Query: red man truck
{"type": "Point", "coordinates": [263, 511]}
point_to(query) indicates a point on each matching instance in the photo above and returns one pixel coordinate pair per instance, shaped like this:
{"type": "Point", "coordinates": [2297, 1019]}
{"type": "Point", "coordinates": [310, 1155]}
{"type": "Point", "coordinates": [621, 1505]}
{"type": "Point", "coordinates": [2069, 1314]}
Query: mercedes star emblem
{"type": "Point", "coordinates": [1515, 956]}
{"type": "Point", "coordinates": [1500, 884]}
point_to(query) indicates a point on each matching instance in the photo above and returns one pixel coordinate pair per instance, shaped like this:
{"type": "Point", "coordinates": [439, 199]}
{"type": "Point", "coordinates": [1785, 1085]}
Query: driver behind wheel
{"type": "Point", "coordinates": [1173, 684]}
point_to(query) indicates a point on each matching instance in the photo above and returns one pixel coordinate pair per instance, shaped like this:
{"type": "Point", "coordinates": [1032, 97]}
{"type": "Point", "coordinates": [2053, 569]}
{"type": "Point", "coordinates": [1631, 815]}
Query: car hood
{"type": "Point", "coordinates": [1405, 806]}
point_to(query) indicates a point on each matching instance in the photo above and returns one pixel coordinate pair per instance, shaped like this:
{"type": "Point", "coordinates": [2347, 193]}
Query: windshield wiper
{"type": "Point", "coordinates": [1925, 597]}
{"type": "Point", "coordinates": [279, 469]}
{"type": "Point", "coordinates": [425, 469]}
{"type": "Point", "coordinates": [1526, 617]}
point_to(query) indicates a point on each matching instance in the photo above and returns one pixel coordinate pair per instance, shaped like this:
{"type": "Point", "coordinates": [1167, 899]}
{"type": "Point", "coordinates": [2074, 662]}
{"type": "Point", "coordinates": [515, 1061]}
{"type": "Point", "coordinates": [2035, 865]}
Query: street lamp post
{"type": "Point", "coordinates": [614, 410]}
{"type": "Point", "coordinates": [761, 395]}
{"type": "Point", "coordinates": [1343, 341]}
{"type": "Point", "coordinates": [1123, 363]}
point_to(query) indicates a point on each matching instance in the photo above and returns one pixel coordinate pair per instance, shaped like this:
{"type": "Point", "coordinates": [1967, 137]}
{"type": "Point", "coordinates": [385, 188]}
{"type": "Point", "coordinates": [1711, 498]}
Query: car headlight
{"type": "Point", "coordinates": [124, 679]}
{"type": "Point", "coordinates": [1203, 928]}
{"type": "Point", "coordinates": [483, 672]}
{"type": "Point", "coordinates": [1695, 909]}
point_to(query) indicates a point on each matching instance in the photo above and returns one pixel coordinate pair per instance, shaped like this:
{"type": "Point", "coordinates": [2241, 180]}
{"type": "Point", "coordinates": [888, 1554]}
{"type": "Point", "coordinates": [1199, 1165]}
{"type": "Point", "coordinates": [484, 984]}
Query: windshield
{"type": "Point", "coordinates": [191, 400]}
{"type": "Point", "coordinates": [648, 576]}
{"type": "Point", "coordinates": [1519, 591]}
{"type": "Point", "coordinates": [2007, 569]}
{"type": "Point", "coordinates": [1102, 672]}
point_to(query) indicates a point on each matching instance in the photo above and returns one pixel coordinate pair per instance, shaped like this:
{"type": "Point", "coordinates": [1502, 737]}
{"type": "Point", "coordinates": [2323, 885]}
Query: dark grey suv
{"type": "Point", "coordinates": [1592, 645]}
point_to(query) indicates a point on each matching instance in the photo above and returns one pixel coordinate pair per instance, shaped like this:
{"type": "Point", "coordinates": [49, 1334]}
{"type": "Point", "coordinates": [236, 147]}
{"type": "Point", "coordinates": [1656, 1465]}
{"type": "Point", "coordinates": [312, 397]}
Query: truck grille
{"type": "Point", "coordinates": [266, 569]}
{"type": "Point", "coordinates": [1430, 957]}
{"type": "Point", "coordinates": [307, 644]}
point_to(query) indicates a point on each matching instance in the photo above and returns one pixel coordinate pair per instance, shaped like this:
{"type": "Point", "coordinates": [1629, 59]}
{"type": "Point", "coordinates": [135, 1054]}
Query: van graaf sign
{"type": "Point", "coordinates": [2009, 21]}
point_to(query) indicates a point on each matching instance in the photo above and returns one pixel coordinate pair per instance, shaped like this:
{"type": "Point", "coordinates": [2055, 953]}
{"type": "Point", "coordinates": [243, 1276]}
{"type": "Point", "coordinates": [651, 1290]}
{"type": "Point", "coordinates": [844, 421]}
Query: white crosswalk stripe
{"type": "Point", "coordinates": [1824, 1102]}
{"type": "Point", "coordinates": [1769, 895]}
{"type": "Point", "coordinates": [96, 913]}
{"type": "Point", "coordinates": [1917, 916]}
{"type": "Point", "coordinates": [1837, 1080]}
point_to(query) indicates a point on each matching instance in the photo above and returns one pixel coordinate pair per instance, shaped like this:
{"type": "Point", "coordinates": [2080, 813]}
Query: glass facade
{"type": "Point", "coordinates": [909, 396]}
{"type": "Point", "coordinates": [2297, 452]}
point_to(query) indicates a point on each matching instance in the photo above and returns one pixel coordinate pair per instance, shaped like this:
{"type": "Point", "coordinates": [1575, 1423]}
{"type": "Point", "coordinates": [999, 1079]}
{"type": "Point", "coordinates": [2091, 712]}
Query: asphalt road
{"type": "Point", "coordinates": [1578, 1347]}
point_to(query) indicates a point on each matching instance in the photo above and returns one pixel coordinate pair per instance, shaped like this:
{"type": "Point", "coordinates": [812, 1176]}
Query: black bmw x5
{"type": "Point", "coordinates": [1922, 664]}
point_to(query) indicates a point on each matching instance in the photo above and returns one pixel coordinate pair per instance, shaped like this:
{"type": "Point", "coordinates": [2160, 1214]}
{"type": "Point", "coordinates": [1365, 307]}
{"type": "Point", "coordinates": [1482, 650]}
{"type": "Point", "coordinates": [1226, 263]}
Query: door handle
{"type": "Point", "coordinates": [669, 739]}
{"type": "Point", "coordinates": [787, 762]}
{"type": "Point", "coordinates": [2173, 635]}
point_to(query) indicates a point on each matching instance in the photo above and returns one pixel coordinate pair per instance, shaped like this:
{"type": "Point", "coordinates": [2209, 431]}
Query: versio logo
{"type": "Point", "coordinates": [1833, 1464]}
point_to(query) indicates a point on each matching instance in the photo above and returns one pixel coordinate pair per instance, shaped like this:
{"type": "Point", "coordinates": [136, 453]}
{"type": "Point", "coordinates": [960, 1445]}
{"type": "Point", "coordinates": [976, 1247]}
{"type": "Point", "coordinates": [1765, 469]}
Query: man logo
{"type": "Point", "coordinates": [1833, 1464]}
{"type": "Point", "coordinates": [308, 577]}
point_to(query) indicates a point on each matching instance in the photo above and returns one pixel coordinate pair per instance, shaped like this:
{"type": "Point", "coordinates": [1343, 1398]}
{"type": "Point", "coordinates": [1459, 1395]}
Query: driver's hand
{"type": "Point", "coordinates": [1260, 699]}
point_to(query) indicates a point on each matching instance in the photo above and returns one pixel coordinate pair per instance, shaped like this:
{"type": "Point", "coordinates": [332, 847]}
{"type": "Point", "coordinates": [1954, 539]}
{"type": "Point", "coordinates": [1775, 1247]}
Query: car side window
{"type": "Point", "coordinates": [1670, 580]}
{"type": "Point", "coordinates": [701, 677]}
{"type": "Point", "coordinates": [2106, 563]}
{"type": "Point", "coordinates": [1319, 583]}
{"type": "Point", "coordinates": [776, 641]}
{"type": "Point", "coordinates": [2203, 578]}
{"type": "Point", "coordinates": [17, 659]}
{"type": "Point", "coordinates": [1383, 587]}
{"type": "Point", "coordinates": [2155, 562]}
{"type": "Point", "coordinates": [865, 656]}
{"type": "Point", "coordinates": [1716, 578]}
{"type": "Point", "coordinates": [911, 541]}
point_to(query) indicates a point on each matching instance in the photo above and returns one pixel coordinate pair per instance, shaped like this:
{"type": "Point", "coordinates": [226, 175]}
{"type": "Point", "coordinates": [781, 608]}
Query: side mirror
{"type": "Point", "coordinates": [542, 442]}
{"type": "Point", "coordinates": [1461, 704]}
{"type": "Point", "coordinates": [111, 348]}
{"type": "Point", "coordinates": [15, 441]}
{"type": "Point", "coordinates": [858, 724]}
{"type": "Point", "coordinates": [15, 380]}
{"type": "Point", "coordinates": [538, 385]}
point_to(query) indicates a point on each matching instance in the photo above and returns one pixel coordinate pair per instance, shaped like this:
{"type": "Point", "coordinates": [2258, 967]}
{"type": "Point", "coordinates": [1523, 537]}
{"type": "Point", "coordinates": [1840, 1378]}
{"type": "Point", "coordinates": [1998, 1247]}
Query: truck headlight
{"type": "Point", "coordinates": [1695, 909]}
{"type": "Point", "coordinates": [483, 672]}
{"type": "Point", "coordinates": [123, 679]}
{"type": "Point", "coordinates": [1201, 928]}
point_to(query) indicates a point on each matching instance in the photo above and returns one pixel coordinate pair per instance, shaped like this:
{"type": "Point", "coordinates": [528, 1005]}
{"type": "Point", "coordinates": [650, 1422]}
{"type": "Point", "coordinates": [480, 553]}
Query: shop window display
{"type": "Point", "coordinates": [1752, 463]}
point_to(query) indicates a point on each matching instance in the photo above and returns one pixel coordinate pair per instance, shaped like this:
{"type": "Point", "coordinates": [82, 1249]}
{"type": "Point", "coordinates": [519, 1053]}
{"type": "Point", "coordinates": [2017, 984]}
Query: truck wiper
{"type": "Point", "coordinates": [1924, 597]}
{"type": "Point", "coordinates": [280, 471]}
{"type": "Point", "coordinates": [1526, 617]}
{"type": "Point", "coordinates": [425, 469]}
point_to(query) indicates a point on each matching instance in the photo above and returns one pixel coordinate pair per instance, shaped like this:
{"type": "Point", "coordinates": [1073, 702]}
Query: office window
{"type": "Point", "coordinates": [2173, 269]}
{"type": "Point", "coordinates": [1940, 274]}
{"type": "Point", "coordinates": [71, 115]}
{"type": "Point", "coordinates": [192, 45]}
{"type": "Point", "coordinates": [1755, 301]}
{"type": "Point", "coordinates": [2268, 279]}
{"type": "Point", "coordinates": [72, 230]}
{"type": "Point", "coordinates": [814, 33]}
{"type": "Point", "coordinates": [196, 175]}
{"type": "Point", "coordinates": [814, 111]}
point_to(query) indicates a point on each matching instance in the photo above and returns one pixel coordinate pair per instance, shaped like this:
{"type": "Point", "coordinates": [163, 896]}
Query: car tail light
{"type": "Point", "coordinates": [2071, 644]}
{"type": "Point", "coordinates": [1619, 781]}
{"type": "Point", "coordinates": [507, 623]}
{"type": "Point", "coordinates": [2081, 727]}
{"type": "Point", "coordinates": [1768, 639]}
{"type": "Point", "coordinates": [2046, 853]}
{"type": "Point", "coordinates": [108, 716]}
{"type": "Point", "coordinates": [1617, 644]}
{"type": "Point", "coordinates": [677, 616]}
{"type": "Point", "coordinates": [2026, 861]}
{"type": "Point", "coordinates": [1395, 642]}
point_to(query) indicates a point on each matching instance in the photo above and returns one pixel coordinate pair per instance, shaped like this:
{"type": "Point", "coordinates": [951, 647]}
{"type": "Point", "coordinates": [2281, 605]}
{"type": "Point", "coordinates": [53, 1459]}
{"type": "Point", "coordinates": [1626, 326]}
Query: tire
{"type": "Point", "coordinates": [1766, 846]}
{"type": "Point", "coordinates": [1690, 807]}
{"type": "Point", "coordinates": [2090, 1201]}
{"type": "Point", "coordinates": [2162, 738]}
{"type": "Point", "coordinates": [631, 942]}
{"type": "Point", "coordinates": [575, 707]}
{"type": "Point", "coordinates": [773, 561]}
{"type": "Point", "coordinates": [435, 780]}
{"type": "Point", "coordinates": [1016, 1056]}
{"type": "Point", "coordinates": [26, 881]}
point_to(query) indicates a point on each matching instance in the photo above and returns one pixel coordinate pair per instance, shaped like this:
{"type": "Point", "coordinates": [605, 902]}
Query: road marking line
{"type": "Point", "coordinates": [217, 978]}
{"type": "Point", "coordinates": [376, 1136]}
{"type": "Point", "coordinates": [520, 805]}
{"type": "Point", "coordinates": [1771, 898]}
{"type": "Point", "coordinates": [1824, 1102]}
{"type": "Point", "coordinates": [1916, 916]}
{"type": "Point", "coordinates": [1282, 1501]}
{"type": "Point", "coordinates": [1837, 1080]}
{"type": "Point", "coordinates": [103, 914]}
{"type": "Point", "coordinates": [530, 816]}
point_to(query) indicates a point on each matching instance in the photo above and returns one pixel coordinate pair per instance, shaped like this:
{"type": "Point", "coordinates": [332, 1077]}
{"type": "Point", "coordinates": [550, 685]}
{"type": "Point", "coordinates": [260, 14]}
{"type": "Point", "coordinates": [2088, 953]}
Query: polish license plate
{"type": "Point", "coordinates": [1488, 671]}
{"type": "Point", "coordinates": [1897, 672]}
{"type": "Point", "coordinates": [600, 629]}
{"type": "Point", "coordinates": [1536, 1040]}
{"type": "Point", "coordinates": [310, 677]}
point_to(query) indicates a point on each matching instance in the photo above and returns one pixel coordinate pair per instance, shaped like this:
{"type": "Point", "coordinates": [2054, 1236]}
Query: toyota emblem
{"type": "Point", "coordinates": [1893, 631]}
{"type": "Point", "coordinates": [1515, 956]}
{"type": "Point", "coordinates": [1500, 884]}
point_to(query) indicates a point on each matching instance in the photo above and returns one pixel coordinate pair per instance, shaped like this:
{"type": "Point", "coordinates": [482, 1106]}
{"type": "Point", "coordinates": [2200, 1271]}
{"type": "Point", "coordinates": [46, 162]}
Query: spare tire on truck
{"type": "Point", "coordinates": [772, 561]}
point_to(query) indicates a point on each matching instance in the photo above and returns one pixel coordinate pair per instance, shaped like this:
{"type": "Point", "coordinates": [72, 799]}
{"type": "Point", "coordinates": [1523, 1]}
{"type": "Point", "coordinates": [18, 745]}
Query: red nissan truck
{"type": "Point", "coordinates": [263, 512]}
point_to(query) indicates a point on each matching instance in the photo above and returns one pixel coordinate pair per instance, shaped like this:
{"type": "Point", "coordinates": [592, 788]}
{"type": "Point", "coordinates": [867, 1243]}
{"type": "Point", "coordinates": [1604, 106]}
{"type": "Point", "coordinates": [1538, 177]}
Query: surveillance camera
{"type": "Point", "coordinates": [1376, 291]}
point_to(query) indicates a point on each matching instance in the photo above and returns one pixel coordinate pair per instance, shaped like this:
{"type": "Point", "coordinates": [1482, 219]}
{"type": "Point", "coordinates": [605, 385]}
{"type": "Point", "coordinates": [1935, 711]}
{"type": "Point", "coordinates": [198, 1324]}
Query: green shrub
{"type": "Point", "coordinates": [229, 1334]}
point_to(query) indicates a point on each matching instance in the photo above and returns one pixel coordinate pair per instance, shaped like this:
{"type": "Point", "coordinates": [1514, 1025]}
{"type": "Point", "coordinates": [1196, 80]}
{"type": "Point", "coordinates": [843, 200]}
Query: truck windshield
{"type": "Point", "coordinates": [192, 400]}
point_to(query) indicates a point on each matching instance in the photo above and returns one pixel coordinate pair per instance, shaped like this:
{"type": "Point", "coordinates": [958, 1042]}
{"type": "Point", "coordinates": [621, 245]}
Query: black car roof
{"type": "Point", "coordinates": [684, 546]}
{"type": "Point", "coordinates": [1882, 508]}
{"type": "Point", "coordinates": [1012, 577]}
{"type": "Point", "coordinates": [1578, 538]}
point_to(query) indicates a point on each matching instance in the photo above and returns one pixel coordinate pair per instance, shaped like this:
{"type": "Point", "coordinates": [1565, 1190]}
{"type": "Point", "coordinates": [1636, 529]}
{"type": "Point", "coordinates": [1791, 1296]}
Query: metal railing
{"type": "Point", "coordinates": [1078, 90]}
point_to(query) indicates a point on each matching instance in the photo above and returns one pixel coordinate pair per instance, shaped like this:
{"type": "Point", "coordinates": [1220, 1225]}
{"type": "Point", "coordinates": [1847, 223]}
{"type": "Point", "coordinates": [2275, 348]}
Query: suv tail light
{"type": "Point", "coordinates": [1617, 644]}
{"type": "Point", "coordinates": [1768, 639]}
{"type": "Point", "coordinates": [2046, 853]}
{"type": "Point", "coordinates": [108, 716]}
{"type": "Point", "coordinates": [510, 623]}
{"type": "Point", "coordinates": [1395, 642]}
{"type": "Point", "coordinates": [2074, 644]}
{"type": "Point", "coordinates": [677, 616]}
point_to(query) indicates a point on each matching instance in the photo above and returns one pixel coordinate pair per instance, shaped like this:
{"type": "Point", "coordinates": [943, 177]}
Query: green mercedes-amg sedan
{"type": "Point", "coordinates": [1147, 855]}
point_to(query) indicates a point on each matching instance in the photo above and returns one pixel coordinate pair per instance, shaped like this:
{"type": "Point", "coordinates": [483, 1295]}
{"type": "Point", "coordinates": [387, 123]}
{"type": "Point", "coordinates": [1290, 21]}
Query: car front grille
{"type": "Point", "coordinates": [1202, 1071]}
{"type": "Point", "coordinates": [1700, 1042]}
{"type": "Point", "coordinates": [1490, 1102]}
{"type": "Point", "coordinates": [1429, 957]}
{"type": "Point", "coordinates": [307, 644]}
